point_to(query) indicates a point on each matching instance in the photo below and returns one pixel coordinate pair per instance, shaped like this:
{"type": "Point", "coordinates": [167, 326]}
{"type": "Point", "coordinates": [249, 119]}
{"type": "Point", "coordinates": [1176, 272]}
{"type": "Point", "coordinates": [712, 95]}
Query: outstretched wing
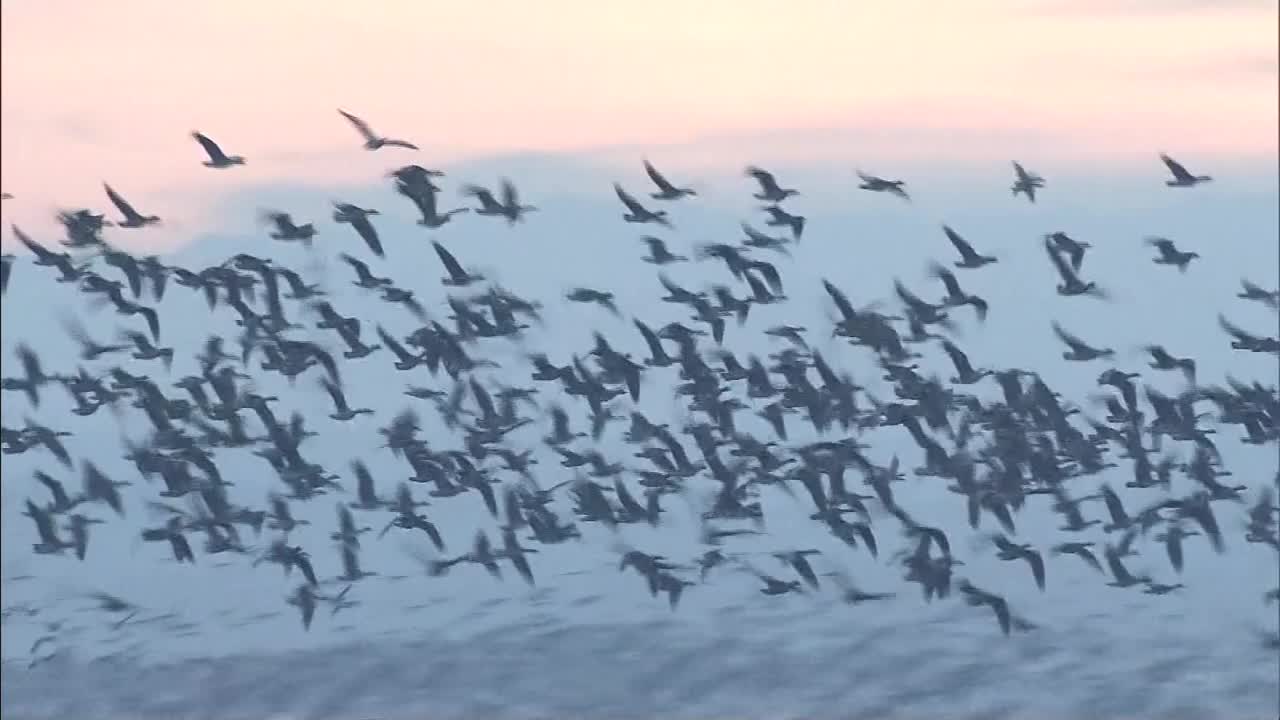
{"type": "Point", "coordinates": [657, 178]}
{"type": "Point", "coordinates": [360, 125]}
{"type": "Point", "coordinates": [962, 246]}
{"type": "Point", "coordinates": [210, 147]}
{"type": "Point", "coordinates": [121, 204]}
{"type": "Point", "coordinates": [451, 264]}
{"type": "Point", "coordinates": [635, 207]}
{"type": "Point", "coordinates": [1064, 270]}
{"type": "Point", "coordinates": [1074, 342]}
{"type": "Point", "coordinates": [1175, 167]}
{"type": "Point", "coordinates": [509, 197]}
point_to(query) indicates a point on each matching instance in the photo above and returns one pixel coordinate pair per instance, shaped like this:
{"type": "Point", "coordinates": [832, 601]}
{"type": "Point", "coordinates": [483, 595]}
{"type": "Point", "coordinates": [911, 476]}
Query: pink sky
{"type": "Point", "coordinates": [109, 90]}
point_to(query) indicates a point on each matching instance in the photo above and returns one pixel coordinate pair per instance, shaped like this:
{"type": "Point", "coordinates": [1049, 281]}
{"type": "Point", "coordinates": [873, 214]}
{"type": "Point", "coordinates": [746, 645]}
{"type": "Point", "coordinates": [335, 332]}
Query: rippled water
{"type": "Point", "coordinates": [830, 663]}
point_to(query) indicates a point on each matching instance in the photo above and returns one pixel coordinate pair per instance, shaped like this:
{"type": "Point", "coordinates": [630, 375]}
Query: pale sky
{"type": "Point", "coordinates": [98, 91]}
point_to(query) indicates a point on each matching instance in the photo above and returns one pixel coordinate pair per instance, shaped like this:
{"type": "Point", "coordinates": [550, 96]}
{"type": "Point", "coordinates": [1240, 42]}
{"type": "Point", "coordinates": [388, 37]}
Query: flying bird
{"type": "Point", "coordinates": [1181, 177]}
{"type": "Point", "coordinates": [373, 141]}
{"type": "Point", "coordinates": [1026, 182]}
{"type": "Point", "coordinates": [637, 213]}
{"type": "Point", "coordinates": [666, 191]}
{"type": "Point", "coordinates": [132, 218]}
{"type": "Point", "coordinates": [217, 158]}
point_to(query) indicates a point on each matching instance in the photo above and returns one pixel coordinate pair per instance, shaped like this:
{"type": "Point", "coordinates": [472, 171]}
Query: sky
{"type": "Point", "coordinates": [97, 92]}
{"type": "Point", "coordinates": [565, 98]}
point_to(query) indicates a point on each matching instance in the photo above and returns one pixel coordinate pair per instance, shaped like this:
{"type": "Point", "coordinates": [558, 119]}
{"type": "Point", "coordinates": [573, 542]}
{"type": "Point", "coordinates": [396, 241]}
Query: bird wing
{"type": "Point", "coordinates": [482, 194]}
{"type": "Point", "coordinates": [367, 233]}
{"type": "Point", "coordinates": [948, 279]}
{"type": "Point", "coordinates": [362, 270]}
{"type": "Point", "coordinates": [908, 298]}
{"type": "Point", "coordinates": [360, 125]}
{"type": "Point", "coordinates": [965, 249]}
{"type": "Point", "coordinates": [215, 153]}
{"type": "Point", "coordinates": [509, 197]}
{"type": "Point", "coordinates": [764, 177]}
{"type": "Point", "coordinates": [657, 178]}
{"type": "Point", "coordinates": [1175, 167]}
{"type": "Point", "coordinates": [36, 248]}
{"type": "Point", "coordinates": [1064, 270]}
{"type": "Point", "coordinates": [1236, 331]}
{"type": "Point", "coordinates": [450, 262]}
{"type": "Point", "coordinates": [841, 300]}
{"type": "Point", "coordinates": [121, 204]}
{"type": "Point", "coordinates": [335, 393]}
{"type": "Point", "coordinates": [1071, 340]}
{"type": "Point", "coordinates": [635, 207]}
{"type": "Point", "coordinates": [958, 358]}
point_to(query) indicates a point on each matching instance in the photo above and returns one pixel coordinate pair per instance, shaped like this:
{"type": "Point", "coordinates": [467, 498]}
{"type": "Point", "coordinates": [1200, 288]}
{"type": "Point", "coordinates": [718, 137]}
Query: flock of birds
{"type": "Point", "coordinates": [1018, 445]}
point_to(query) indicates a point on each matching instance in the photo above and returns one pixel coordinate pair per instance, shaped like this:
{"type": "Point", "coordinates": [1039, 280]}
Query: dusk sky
{"type": "Point", "coordinates": [109, 91]}
{"type": "Point", "coordinates": [566, 97]}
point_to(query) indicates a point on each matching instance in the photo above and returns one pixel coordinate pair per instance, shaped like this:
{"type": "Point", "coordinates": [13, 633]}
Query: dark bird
{"type": "Point", "coordinates": [1249, 291]}
{"type": "Point", "coordinates": [1080, 351]}
{"type": "Point", "coordinates": [1162, 360]}
{"type": "Point", "coordinates": [658, 252]}
{"type": "Point", "coordinates": [1026, 183]}
{"type": "Point", "coordinates": [1181, 178]}
{"type": "Point", "coordinates": [1081, 550]}
{"type": "Point", "coordinates": [770, 191]}
{"type": "Point", "coordinates": [637, 213]}
{"type": "Point", "coordinates": [1071, 283]}
{"type": "Point", "coordinates": [132, 218]}
{"type": "Point", "coordinates": [878, 184]}
{"type": "Point", "coordinates": [781, 218]}
{"type": "Point", "coordinates": [217, 158]}
{"type": "Point", "coordinates": [358, 218]}
{"type": "Point", "coordinates": [1170, 254]}
{"type": "Point", "coordinates": [510, 207]}
{"type": "Point", "coordinates": [288, 230]}
{"type": "Point", "coordinates": [457, 276]}
{"type": "Point", "coordinates": [666, 191]}
{"type": "Point", "coordinates": [373, 141]}
{"type": "Point", "coordinates": [969, 258]}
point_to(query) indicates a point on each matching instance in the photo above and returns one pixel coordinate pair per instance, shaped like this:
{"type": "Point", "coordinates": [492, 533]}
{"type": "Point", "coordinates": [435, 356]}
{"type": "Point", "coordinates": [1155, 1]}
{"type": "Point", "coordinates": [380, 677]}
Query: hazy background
{"type": "Point", "coordinates": [564, 98]}
{"type": "Point", "coordinates": [97, 91]}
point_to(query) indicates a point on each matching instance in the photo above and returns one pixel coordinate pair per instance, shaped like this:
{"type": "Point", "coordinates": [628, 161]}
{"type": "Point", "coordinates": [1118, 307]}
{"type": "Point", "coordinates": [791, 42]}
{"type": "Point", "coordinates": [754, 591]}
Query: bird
{"type": "Point", "coordinates": [666, 191]}
{"type": "Point", "coordinates": [878, 184]}
{"type": "Point", "coordinates": [132, 218]}
{"type": "Point", "coordinates": [288, 230]}
{"type": "Point", "coordinates": [1250, 291]}
{"type": "Point", "coordinates": [1170, 254]}
{"type": "Point", "coordinates": [1026, 182]}
{"type": "Point", "coordinates": [1181, 177]}
{"type": "Point", "coordinates": [658, 252]}
{"type": "Point", "coordinates": [1071, 284]}
{"type": "Point", "coordinates": [509, 208]}
{"type": "Point", "coordinates": [637, 213]}
{"type": "Point", "coordinates": [217, 158]}
{"type": "Point", "coordinates": [969, 258]}
{"type": "Point", "coordinates": [779, 217]}
{"type": "Point", "coordinates": [1080, 351]}
{"type": "Point", "coordinates": [373, 141]}
{"type": "Point", "coordinates": [770, 190]}
{"type": "Point", "coordinates": [457, 276]}
{"type": "Point", "coordinates": [358, 218]}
